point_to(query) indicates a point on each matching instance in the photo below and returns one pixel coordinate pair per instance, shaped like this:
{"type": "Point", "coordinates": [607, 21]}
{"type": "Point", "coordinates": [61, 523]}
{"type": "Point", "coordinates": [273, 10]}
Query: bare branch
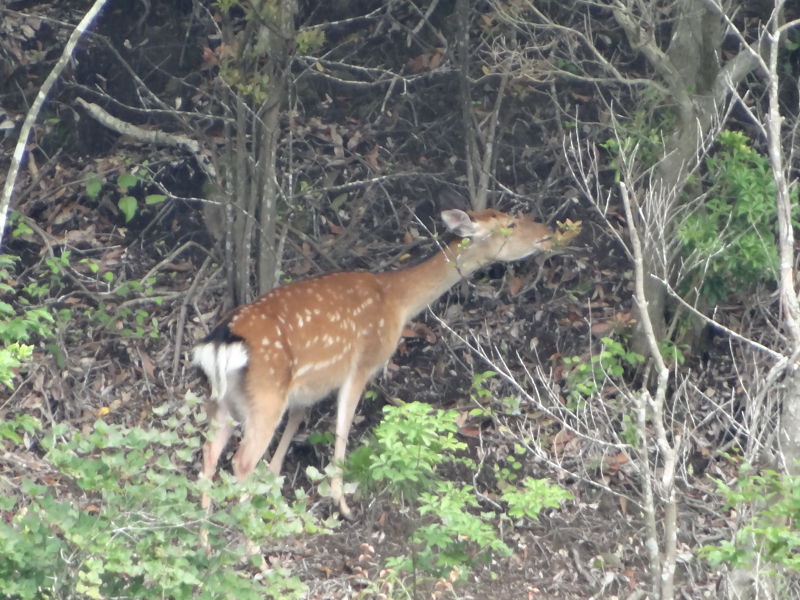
{"type": "Point", "coordinates": [150, 136]}
{"type": "Point", "coordinates": [33, 113]}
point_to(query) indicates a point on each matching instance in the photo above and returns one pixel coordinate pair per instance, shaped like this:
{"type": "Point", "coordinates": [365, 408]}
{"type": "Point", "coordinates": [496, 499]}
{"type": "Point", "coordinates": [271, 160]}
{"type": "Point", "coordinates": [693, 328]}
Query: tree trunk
{"type": "Point", "coordinates": [259, 74]}
{"type": "Point", "coordinates": [690, 69]}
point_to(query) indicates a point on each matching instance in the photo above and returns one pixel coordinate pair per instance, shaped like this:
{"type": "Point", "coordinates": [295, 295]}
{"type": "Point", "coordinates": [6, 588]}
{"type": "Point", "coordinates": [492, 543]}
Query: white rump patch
{"type": "Point", "coordinates": [218, 362]}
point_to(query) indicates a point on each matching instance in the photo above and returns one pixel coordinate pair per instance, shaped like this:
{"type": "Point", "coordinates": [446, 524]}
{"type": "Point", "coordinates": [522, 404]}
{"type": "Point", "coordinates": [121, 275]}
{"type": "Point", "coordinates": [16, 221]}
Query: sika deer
{"type": "Point", "coordinates": [296, 344]}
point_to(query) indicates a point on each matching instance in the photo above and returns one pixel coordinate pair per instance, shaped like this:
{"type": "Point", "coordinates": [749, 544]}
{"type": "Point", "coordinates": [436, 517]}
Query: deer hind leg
{"type": "Point", "coordinates": [297, 415]}
{"type": "Point", "coordinates": [349, 394]}
{"type": "Point", "coordinates": [221, 429]}
{"type": "Point", "coordinates": [264, 413]}
{"type": "Point", "coordinates": [223, 412]}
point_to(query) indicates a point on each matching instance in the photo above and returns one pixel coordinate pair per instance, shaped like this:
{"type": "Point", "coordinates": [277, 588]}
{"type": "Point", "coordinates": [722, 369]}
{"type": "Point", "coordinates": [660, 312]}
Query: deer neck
{"type": "Point", "coordinates": [415, 288]}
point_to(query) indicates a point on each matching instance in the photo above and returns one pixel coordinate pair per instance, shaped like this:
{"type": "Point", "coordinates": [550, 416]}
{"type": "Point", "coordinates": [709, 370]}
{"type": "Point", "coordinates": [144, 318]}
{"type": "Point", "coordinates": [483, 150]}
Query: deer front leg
{"type": "Point", "coordinates": [349, 394]}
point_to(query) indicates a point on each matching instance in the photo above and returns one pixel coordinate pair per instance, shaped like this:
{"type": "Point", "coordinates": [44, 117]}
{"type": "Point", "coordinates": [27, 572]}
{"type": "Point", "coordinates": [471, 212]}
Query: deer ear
{"type": "Point", "coordinates": [459, 223]}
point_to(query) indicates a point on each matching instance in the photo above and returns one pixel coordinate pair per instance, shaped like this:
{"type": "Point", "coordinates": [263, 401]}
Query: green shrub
{"type": "Point", "coordinates": [732, 235]}
{"type": "Point", "coordinates": [535, 495]}
{"type": "Point", "coordinates": [772, 534]}
{"type": "Point", "coordinates": [583, 379]}
{"type": "Point", "coordinates": [451, 533]}
{"type": "Point", "coordinates": [409, 446]}
{"type": "Point", "coordinates": [452, 538]}
{"type": "Point", "coordinates": [16, 328]}
{"type": "Point", "coordinates": [130, 526]}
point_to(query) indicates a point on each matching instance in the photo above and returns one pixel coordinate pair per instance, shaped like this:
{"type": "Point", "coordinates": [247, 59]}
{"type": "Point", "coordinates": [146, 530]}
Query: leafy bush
{"type": "Point", "coordinates": [409, 446]}
{"type": "Point", "coordinates": [732, 235]}
{"type": "Point", "coordinates": [17, 328]}
{"type": "Point", "coordinates": [132, 526]}
{"type": "Point", "coordinates": [535, 495]}
{"type": "Point", "coordinates": [489, 406]}
{"type": "Point", "coordinates": [772, 534]}
{"type": "Point", "coordinates": [453, 538]}
{"type": "Point", "coordinates": [585, 379]}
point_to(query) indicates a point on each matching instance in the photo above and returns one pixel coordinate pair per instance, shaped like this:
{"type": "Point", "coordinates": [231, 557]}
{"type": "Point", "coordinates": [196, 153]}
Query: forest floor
{"type": "Point", "coordinates": [135, 296]}
{"type": "Point", "coordinates": [537, 313]}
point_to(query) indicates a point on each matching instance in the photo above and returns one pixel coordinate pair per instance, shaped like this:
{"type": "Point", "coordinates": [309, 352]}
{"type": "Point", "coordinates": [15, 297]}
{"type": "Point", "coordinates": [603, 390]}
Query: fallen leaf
{"type": "Point", "coordinates": [516, 285]}
{"type": "Point", "coordinates": [430, 336]}
{"type": "Point", "coordinates": [147, 365]}
{"type": "Point", "coordinates": [301, 269]}
{"type": "Point", "coordinates": [470, 431]}
{"type": "Point", "coordinates": [372, 157]}
{"type": "Point", "coordinates": [419, 63]}
{"type": "Point", "coordinates": [354, 140]}
{"type": "Point", "coordinates": [32, 401]}
{"type": "Point", "coordinates": [631, 578]}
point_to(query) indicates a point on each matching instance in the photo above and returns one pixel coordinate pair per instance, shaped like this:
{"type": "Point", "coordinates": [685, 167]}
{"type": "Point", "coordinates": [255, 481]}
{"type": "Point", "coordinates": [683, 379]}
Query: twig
{"type": "Point", "coordinates": [170, 257]}
{"type": "Point", "coordinates": [162, 214]}
{"type": "Point", "coordinates": [354, 185]}
{"type": "Point", "coordinates": [200, 295]}
{"type": "Point", "coordinates": [299, 250]}
{"type": "Point", "coordinates": [41, 233]}
{"type": "Point", "coordinates": [709, 321]}
{"type": "Point", "coordinates": [151, 137]}
{"type": "Point", "coordinates": [314, 245]}
{"type": "Point", "coordinates": [182, 317]}
{"type": "Point", "coordinates": [662, 573]}
{"type": "Point", "coordinates": [20, 386]}
{"type": "Point", "coordinates": [576, 557]}
{"type": "Point", "coordinates": [43, 171]}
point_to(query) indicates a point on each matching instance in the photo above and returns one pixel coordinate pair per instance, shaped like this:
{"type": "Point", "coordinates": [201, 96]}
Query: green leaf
{"type": "Point", "coordinates": [338, 201]}
{"type": "Point", "coordinates": [57, 353]}
{"type": "Point", "coordinates": [127, 180]}
{"type": "Point", "coordinates": [93, 185]}
{"type": "Point", "coordinates": [154, 199]}
{"type": "Point", "coordinates": [314, 474]}
{"type": "Point", "coordinates": [128, 206]}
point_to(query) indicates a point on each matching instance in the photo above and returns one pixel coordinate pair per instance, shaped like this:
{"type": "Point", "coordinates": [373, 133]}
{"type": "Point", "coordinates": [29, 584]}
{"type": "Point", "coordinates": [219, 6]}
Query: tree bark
{"type": "Point", "coordinates": [690, 69]}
